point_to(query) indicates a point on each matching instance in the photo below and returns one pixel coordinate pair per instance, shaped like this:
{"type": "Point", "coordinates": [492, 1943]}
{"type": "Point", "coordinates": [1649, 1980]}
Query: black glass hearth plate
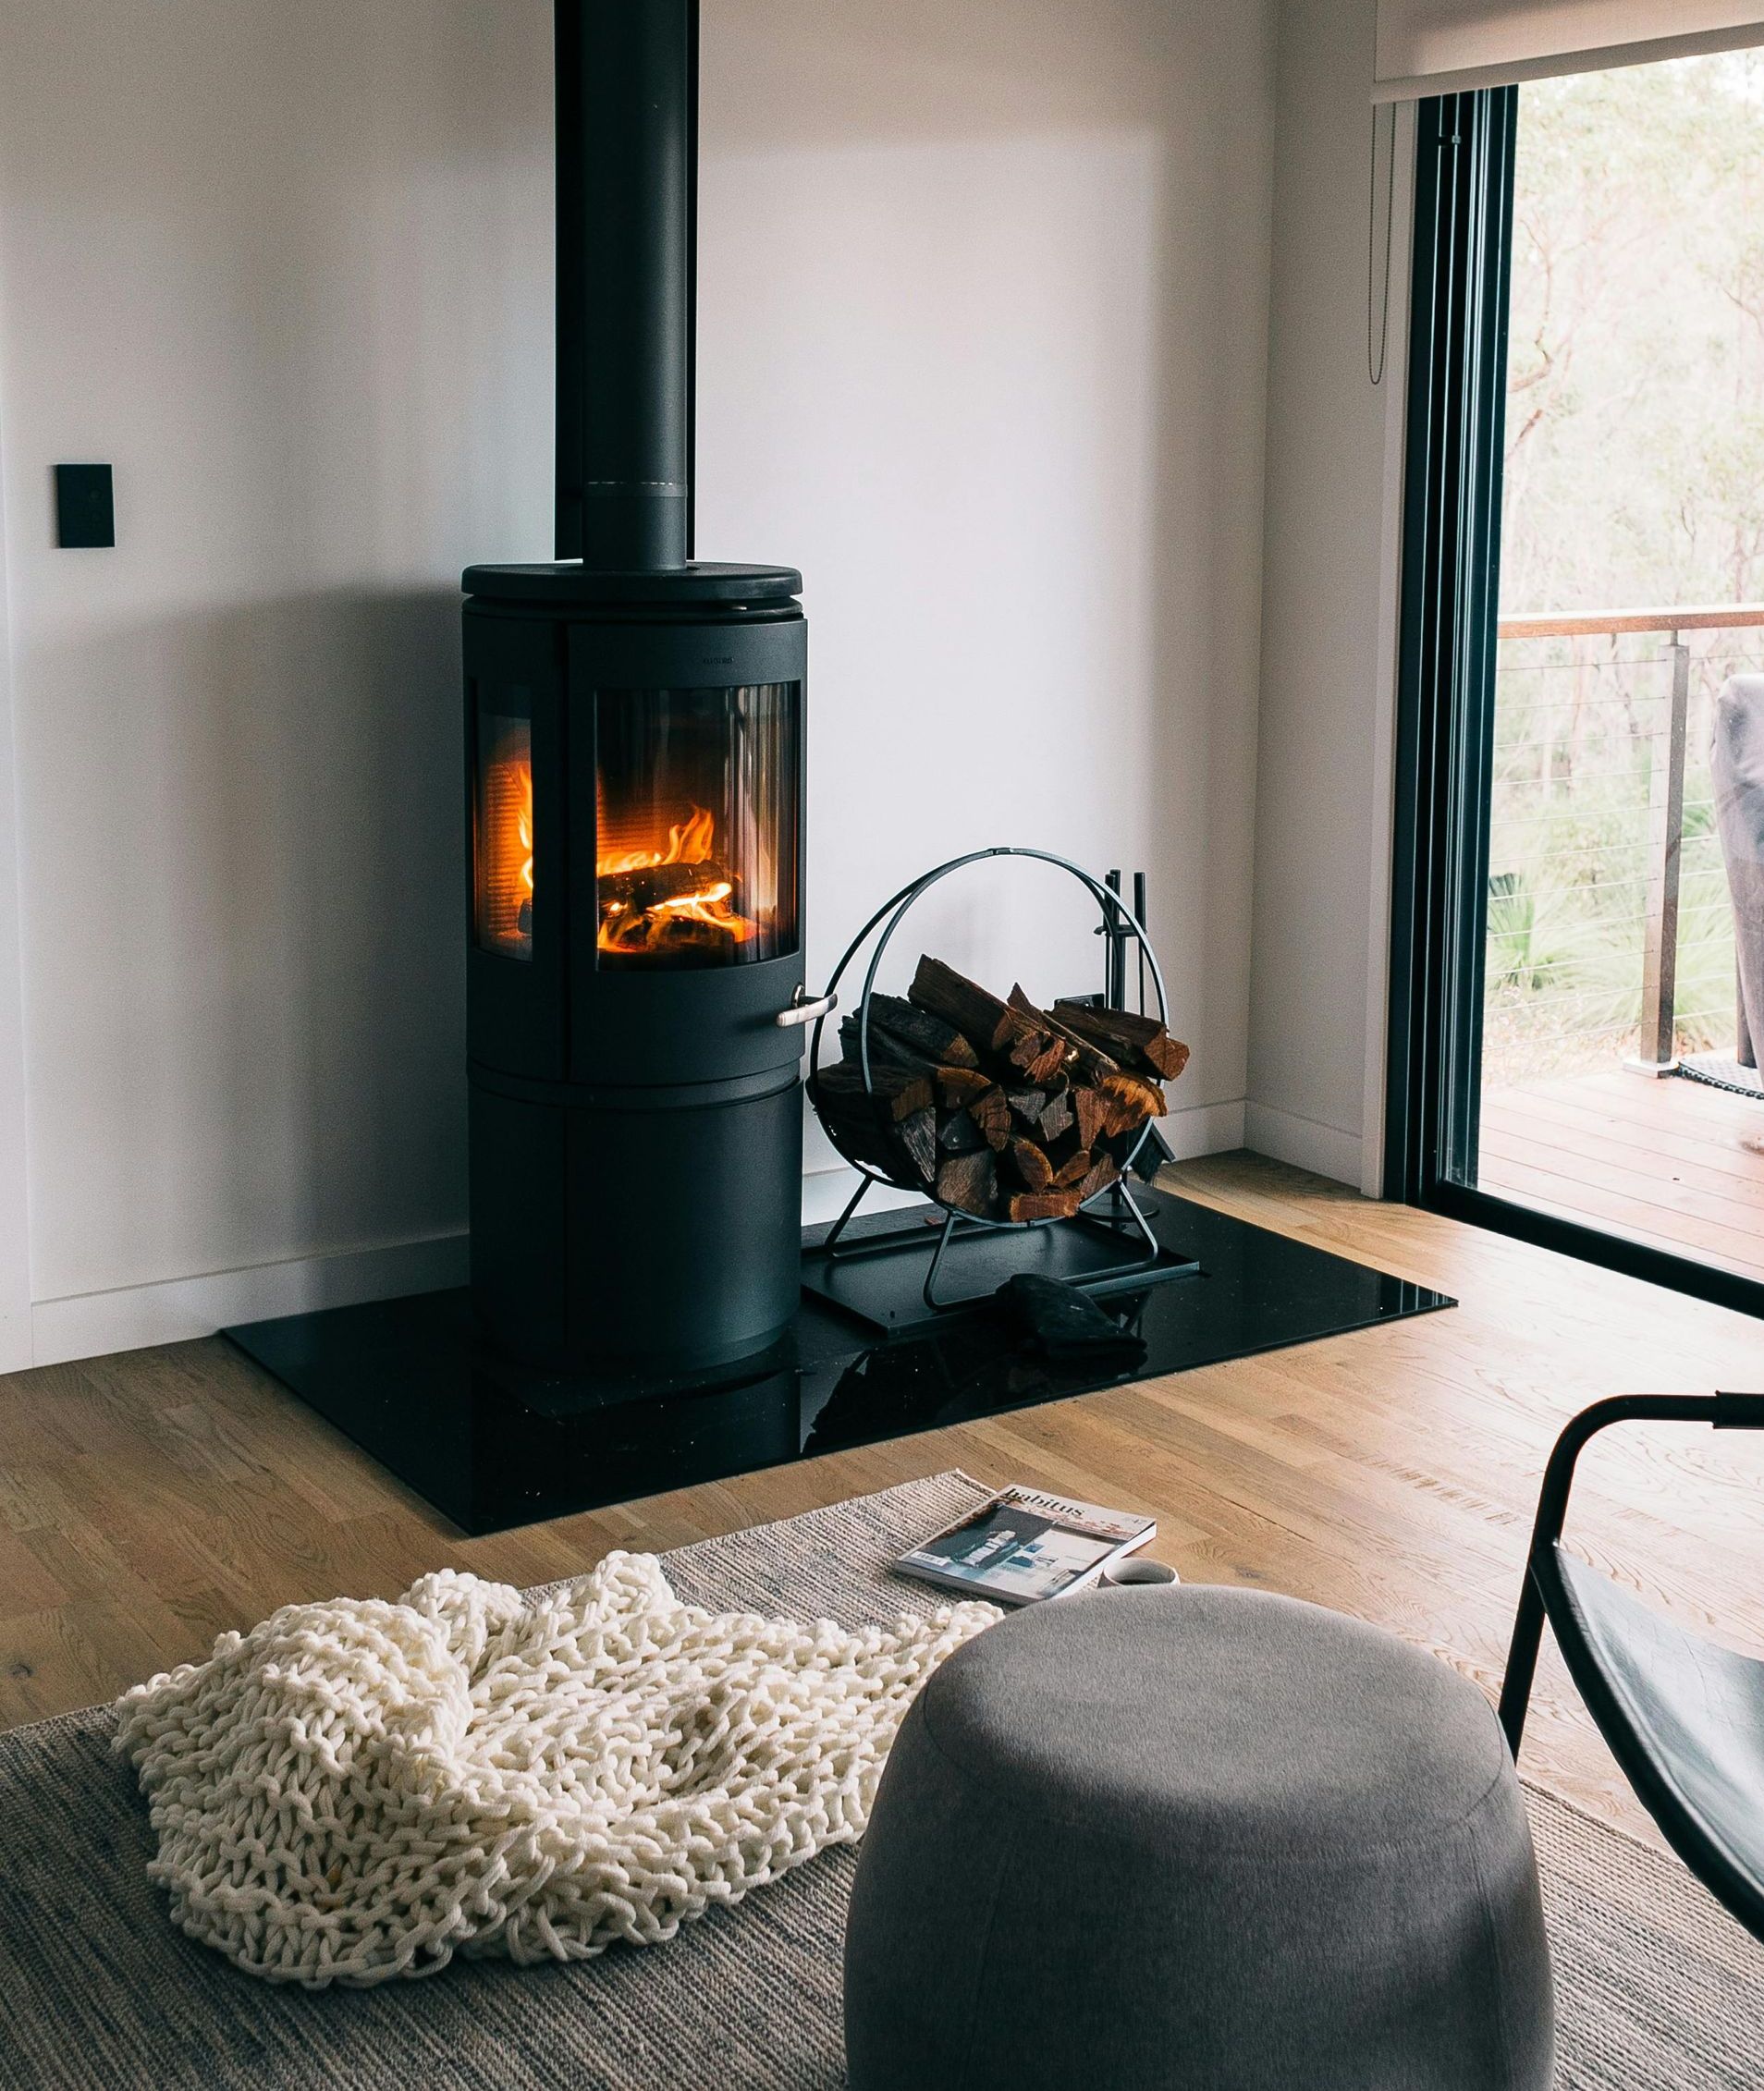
{"type": "Point", "coordinates": [491, 1446]}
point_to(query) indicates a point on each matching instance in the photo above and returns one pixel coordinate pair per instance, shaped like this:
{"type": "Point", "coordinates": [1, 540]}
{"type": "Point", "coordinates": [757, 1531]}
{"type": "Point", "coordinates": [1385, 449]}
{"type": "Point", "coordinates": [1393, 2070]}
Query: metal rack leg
{"type": "Point", "coordinates": [851, 1205]}
{"type": "Point", "coordinates": [944, 1239]}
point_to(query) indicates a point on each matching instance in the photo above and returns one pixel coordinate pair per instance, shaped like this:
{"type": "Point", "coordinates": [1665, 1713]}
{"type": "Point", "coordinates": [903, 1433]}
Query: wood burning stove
{"type": "Point", "coordinates": [633, 927]}
{"type": "Point", "coordinates": [634, 738]}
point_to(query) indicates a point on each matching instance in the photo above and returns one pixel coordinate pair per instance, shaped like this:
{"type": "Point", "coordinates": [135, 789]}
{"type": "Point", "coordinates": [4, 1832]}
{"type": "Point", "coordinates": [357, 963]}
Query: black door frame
{"type": "Point", "coordinates": [1462, 274]}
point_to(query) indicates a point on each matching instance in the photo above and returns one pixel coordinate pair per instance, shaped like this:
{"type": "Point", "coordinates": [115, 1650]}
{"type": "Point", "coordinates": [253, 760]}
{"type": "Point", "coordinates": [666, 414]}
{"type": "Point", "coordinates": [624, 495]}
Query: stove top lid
{"type": "Point", "coordinates": [568, 581]}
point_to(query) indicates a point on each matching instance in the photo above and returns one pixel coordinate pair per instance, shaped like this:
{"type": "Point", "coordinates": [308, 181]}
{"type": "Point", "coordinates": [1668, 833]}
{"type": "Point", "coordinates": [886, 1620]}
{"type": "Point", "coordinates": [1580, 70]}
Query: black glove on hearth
{"type": "Point", "coordinates": [1068, 1326]}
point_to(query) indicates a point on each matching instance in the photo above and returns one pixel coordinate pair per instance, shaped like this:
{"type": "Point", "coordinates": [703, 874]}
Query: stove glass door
{"type": "Point", "coordinates": [697, 820]}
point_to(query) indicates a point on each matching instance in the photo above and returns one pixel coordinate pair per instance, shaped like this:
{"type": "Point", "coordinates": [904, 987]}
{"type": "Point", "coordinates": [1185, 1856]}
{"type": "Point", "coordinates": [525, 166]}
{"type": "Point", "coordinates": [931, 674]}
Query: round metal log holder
{"type": "Point", "coordinates": [1126, 1215]}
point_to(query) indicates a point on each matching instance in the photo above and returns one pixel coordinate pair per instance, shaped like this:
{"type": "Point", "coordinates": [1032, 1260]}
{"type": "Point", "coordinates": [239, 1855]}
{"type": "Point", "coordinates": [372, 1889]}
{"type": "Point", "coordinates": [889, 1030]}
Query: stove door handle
{"type": "Point", "coordinates": [801, 1012]}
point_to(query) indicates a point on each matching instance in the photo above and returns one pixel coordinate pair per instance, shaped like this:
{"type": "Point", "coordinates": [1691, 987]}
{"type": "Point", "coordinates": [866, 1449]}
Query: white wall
{"type": "Point", "coordinates": [1328, 609]}
{"type": "Point", "coordinates": [982, 350]}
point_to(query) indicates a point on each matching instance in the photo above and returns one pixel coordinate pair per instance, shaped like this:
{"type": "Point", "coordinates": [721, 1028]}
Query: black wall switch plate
{"type": "Point", "coordinates": [85, 512]}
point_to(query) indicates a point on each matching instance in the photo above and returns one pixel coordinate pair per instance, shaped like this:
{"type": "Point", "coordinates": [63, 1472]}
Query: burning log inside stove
{"type": "Point", "coordinates": [1002, 1110]}
{"type": "Point", "coordinates": [675, 898]}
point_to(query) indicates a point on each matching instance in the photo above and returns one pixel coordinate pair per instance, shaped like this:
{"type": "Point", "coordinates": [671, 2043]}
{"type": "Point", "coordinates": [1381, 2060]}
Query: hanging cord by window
{"type": "Point", "coordinates": [1377, 290]}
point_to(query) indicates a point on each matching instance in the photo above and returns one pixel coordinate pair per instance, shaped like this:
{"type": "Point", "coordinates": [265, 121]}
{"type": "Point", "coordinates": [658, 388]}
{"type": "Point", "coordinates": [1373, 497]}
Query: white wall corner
{"type": "Point", "coordinates": [1205, 1129]}
{"type": "Point", "coordinates": [91, 1324]}
{"type": "Point", "coordinates": [1325, 1150]}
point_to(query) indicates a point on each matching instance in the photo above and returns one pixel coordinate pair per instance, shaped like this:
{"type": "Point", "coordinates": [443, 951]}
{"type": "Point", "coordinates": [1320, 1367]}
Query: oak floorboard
{"type": "Point", "coordinates": [151, 1499]}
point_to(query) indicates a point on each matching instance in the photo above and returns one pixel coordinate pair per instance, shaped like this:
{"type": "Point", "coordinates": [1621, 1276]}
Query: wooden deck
{"type": "Point", "coordinates": [1672, 1163]}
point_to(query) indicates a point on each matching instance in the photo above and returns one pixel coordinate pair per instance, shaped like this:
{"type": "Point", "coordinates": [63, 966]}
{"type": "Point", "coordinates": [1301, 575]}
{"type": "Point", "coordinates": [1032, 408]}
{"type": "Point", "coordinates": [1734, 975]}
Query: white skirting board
{"type": "Point", "coordinates": [91, 1325]}
{"type": "Point", "coordinates": [1325, 1150]}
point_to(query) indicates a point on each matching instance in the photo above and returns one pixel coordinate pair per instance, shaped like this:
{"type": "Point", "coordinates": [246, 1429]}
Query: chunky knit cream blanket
{"type": "Point", "coordinates": [359, 1790]}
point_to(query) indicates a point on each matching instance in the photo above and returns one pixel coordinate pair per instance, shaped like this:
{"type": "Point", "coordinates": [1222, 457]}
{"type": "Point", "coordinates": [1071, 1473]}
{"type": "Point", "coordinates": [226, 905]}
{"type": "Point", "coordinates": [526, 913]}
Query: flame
{"type": "Point", "coordinates": [689, 842]}
{"type": "Point", "coordinates": [505, 866]}
{"type": "Point", "coordinates": [673, 919]}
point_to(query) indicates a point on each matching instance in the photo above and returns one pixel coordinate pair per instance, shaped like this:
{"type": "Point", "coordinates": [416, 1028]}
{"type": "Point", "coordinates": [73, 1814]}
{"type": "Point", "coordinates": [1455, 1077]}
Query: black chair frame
{"type": "Point", "coordinates": [1546, 1595]}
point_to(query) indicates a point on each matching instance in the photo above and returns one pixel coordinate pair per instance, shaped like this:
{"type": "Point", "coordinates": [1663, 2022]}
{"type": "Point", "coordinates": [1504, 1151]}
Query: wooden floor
{"type": "Point", "coordinates": [149, 1500]}
{"type": "Point", "coordinates": [1671, 1162]}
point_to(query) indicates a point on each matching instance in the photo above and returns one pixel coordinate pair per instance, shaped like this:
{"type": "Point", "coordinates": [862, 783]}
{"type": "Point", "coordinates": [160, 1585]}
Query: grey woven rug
{"type": "Point", "coordinates": [1659, 1990]}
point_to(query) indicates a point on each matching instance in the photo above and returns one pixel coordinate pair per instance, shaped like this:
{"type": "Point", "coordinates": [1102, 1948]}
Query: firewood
{"type": "Point", "coordinates": [1093, 1112]}
{"type": "Point", "coordinates": [1139, 1043]}
{"type": "Point", "coordinates": [856, 1130]}
{"type": "Point", "coordinates": [958, 1134]}
{"type": "Point", "coordinates": [1041, 1204]}
{"type": "Point", "coordinates": [918, 1136]}
{"type": "Point", "coordinates": [1057, 1118]}
{"type": "Point", "coordinates": [1073, 1169]}
{"type": "Point", "coordinates": [1104, 1172]}
{"type": "Point", "coordinates": [1089, 1062]}
{"type": "Point", "coordinates": [1029, 1104]}
{"type": "Point", "coordinates": [1131, 1099]}
{"type": "Point", "coordinates": [969, 1183]}
{"type": "Point", "coordinates": [991, 1025]}
{"type": "Point", "coordinates": [961, 1085]}
{"type": "Point", "coordinates": [985, 1101]}
{"type": "Point", "coordinates": [992, 1115]}
{"type": "Point", "coordinates": [1035, 1171]}
{"type": "Point", "coordinates": [940, 1042]}
{"type": "Point", "coordinates": [896, 1091]}
{"type": "Point", "coordinates": [886, 1051]}
{"type": "Point", "coordinates": [1038, 1052]}
{"type": "Point", "coordinates": [979, 1017]}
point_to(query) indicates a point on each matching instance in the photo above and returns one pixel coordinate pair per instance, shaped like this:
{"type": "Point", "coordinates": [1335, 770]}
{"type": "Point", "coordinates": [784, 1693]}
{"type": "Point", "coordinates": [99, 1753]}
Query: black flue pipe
{"type": "Point", "coordinates": [627, 134]}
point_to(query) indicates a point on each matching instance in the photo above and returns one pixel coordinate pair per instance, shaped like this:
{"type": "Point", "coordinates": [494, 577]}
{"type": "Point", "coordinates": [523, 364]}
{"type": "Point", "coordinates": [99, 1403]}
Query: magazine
{"type": "Point", "coordinates": [1024, 1546]}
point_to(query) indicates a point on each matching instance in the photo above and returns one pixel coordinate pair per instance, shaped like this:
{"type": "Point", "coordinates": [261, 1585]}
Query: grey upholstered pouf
{"type": "Point", "coordinates": [1202, 1838]}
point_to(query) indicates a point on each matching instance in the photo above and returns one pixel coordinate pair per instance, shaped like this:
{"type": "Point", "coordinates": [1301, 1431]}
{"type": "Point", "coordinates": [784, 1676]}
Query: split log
{"type": "Point", "coordinates": [1038, 1052]}
{"type": "Point", "coordinates": [938, 1040]}
{"type": "Point", "coordinates": [992, 1115]}
{"type": "Point", "coordinates": [859, 1134]}
{"type": "Point", "coordinates": [1056, 1119]}
{"type": "Point", "coordinates": [1139, 1043]}
{"type": "Point", "coordinates": [1131, 1099]}
{"type": "Point", "coordinates": [1042, 1204]}
{"type": "Point", "coordinates": [1092, 1111]}
{"type": "Point", "coordinates": [1073, 1169]}
{"type": "Point", "coordinates": [898, 1093]}
{"type": "Point", "coordinates": [958, 1134]}
{"type": "Point", "coordinates": [1033, 1170]}
{"type": "Point", "coordinates": [961, 1085]}
{"type": "Point", "coordinates": [979, 1017]}
{"type": "Point", "coordinates": [991, 1025]}
{"type": "Point", "coordinates": [886, 1051]}
{"type": "Point", "coordinates": [1105, 1171]}
{"type": "Point", "coordinates": [1089, 1062]}
{"type": "Point", "coordinates": [969, 1182]}
{"type": "Point", "coordinates": [1032, 1104]}
{"type": "Point", "coordinates": [918, 1136]}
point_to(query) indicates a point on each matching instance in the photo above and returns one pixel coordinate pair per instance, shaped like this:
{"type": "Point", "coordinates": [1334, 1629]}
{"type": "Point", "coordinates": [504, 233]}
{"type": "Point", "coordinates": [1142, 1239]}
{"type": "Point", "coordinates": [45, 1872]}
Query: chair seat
{"type": "Point", "coordinates": [1683, 1717]}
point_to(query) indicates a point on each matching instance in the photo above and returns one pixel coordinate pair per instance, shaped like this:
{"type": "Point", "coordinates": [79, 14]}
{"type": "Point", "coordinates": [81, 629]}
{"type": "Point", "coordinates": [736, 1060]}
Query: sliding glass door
{"type": "Point", "coordinates": [1582, 758]}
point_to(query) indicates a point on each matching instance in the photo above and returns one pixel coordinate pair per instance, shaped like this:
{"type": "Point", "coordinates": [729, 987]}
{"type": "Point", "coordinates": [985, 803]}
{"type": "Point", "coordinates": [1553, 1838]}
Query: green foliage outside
{"type": "Point", "coordinates": [1634, 479]}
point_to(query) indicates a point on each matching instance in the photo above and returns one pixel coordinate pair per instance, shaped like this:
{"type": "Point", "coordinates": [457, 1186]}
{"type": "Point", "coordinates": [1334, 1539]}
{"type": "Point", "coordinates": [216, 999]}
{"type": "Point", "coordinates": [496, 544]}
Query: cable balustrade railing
{"type": "Point", "coordinates": [1610, 924]}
